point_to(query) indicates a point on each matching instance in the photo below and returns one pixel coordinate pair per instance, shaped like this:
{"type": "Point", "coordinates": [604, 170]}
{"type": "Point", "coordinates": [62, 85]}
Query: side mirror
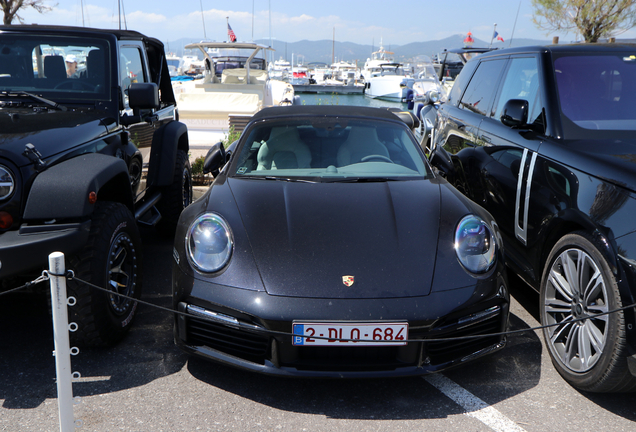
{"type": "Point", "coordinates": [143, 96]}
{"type": "Point", "coordinates": [215, 159]}
{"type": "Point", "coordinates": [515, 113]}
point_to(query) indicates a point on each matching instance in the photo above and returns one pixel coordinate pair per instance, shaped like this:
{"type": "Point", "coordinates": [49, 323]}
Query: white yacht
{"type": "Point", "coordinates": [235, 83]}
{"type": "Point", "coordinates": [175, 65]}
{"type": "Point", "coordinates": [345, 72]}
{"type": "Point", "coordinates": [279, 69]}
{"type": "Point", "coordinates": [299, 75]}
{"type": "Point", "coordinates": [384, 78]}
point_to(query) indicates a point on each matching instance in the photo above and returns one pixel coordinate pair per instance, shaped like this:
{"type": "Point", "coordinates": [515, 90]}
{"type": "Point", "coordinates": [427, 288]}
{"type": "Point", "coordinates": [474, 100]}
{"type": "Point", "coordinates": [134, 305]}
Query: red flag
{"type": "Point", "coordinates": [230, 33]}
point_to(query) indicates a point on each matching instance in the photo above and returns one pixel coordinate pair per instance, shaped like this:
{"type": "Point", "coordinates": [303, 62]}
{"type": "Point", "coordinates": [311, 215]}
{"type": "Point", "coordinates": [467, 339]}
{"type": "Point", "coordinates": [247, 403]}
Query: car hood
{"type": "Point", "coordinates": [306, 238]}
{"type": "Point", "coordinates": [49, 132]}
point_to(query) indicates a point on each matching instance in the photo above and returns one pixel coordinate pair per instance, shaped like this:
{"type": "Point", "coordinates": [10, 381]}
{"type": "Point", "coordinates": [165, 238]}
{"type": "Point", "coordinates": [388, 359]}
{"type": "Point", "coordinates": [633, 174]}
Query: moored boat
{"type": "Point", "coordinates": [385, 78]}
{"type": "Point", "coordinates": [235, 82]}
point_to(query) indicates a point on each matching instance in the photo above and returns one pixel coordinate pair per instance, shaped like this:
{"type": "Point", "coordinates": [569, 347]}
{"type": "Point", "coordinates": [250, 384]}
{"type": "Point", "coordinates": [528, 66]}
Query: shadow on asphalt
{"type": "Point", "coordinates": [145, 354]}
{"type": "Point", "coordinates": [620, 404]}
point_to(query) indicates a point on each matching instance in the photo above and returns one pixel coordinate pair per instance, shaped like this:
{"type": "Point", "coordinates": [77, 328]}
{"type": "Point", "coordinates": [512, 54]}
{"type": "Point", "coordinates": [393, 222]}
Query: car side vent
{"type": "Point", "coordinates": [239, 343]}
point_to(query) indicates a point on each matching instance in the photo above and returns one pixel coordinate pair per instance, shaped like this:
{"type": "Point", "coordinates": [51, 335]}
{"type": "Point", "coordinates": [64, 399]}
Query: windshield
{"type": "Point", "coordinates": [598, 91]}
{"type": "Point", "coordinates": [330, 149]}
{"type": "Point", "coordinates": [58, 68]}
{"type": "Point", "coordinates": [220, 64]}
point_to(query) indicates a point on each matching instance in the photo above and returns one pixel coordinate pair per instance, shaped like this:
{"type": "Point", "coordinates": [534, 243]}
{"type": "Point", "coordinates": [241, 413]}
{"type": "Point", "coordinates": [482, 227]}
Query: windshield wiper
{"type": "Point", "coordinates": [285, 179]}
{"type": "Point", "coordinates": [37, 98]}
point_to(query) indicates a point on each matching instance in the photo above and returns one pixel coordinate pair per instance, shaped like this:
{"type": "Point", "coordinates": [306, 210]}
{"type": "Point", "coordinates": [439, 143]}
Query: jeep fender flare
{"type": "Point", "coordinates": [163, 154]}
{"type": "Point", "coordinates": [62, 191]}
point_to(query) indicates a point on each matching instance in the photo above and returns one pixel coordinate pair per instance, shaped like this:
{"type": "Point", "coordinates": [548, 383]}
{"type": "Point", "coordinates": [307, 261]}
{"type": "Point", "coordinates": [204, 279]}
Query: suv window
{"type": "Point", "coordinates": [479, 94]}
{"type": "Point", "coordinates": [521, 82]}
{"type": "Point", "coordinates": [131, 67]}
{"type": "Point", "coordinates": [597, 91]}
{"type": "Point", "coordinates": [460, 82]}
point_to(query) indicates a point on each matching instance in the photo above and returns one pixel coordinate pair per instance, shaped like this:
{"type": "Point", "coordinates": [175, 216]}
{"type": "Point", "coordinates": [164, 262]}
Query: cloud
{"type": "Point", "coordinates": [143, 17]}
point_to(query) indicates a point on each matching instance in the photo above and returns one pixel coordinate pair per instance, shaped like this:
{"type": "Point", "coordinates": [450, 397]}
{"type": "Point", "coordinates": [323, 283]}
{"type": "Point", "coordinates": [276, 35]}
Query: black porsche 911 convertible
{"type": "Point", "coordinates": [327, 247]}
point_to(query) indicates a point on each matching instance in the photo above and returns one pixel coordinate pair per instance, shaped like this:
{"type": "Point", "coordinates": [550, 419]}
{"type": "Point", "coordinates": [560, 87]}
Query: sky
{"type": "Point", "coordinates": [367, 22]}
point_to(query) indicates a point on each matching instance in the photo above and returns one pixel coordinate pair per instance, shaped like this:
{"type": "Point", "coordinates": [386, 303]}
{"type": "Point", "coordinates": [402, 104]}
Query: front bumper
{"type": "Point", "coordinates": [252, 330]}
{"type": "Point", "coordinates": [29, 247]}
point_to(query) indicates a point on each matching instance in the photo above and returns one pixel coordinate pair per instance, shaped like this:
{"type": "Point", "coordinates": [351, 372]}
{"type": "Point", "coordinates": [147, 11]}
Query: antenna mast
{"type": "Point", "coordinates": [515, 25]}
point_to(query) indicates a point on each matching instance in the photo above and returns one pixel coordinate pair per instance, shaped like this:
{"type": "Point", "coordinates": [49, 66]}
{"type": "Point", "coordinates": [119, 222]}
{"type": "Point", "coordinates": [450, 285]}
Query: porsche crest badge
{"type": "Point", "coordinates": [347, 280]}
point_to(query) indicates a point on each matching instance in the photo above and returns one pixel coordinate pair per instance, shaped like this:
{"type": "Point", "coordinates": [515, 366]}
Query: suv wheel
{"type": "Point", "coordinates": [577, 282]}
{"type": "Point", "coordinates": [177, 196]}
{"type": "Point", "coordinates": [110, 259]}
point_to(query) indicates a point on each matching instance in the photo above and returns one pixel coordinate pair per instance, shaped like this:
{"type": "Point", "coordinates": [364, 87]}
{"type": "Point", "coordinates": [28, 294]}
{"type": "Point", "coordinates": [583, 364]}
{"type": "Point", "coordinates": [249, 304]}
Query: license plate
{"type": "Point", "coordinates": [354, 334]}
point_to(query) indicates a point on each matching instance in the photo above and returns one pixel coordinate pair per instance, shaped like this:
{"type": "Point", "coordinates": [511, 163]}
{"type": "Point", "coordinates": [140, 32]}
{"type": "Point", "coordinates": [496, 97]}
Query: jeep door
{"type": "Point", "coordinates": [135, 67]}
{"type": "Point", "coordinates": [460, 119]}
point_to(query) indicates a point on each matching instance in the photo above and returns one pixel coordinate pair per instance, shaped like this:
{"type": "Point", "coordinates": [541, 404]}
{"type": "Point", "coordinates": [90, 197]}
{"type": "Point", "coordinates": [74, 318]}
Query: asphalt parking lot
{"type": "Point", "coordinates": [146, 384]}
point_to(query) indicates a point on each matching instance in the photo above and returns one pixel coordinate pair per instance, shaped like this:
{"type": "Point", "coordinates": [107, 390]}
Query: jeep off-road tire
{"type": "Point", "coordinates": [177, 196]}
{"type": "Point", "coordinates": [591, 354]}
{"type": "Point", "coordinates": [110, 259]}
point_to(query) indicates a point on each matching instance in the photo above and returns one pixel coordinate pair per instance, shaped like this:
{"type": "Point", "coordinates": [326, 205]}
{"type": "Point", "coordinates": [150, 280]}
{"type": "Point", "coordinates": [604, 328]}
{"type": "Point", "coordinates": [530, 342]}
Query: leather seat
{"type": "Point", "coordinates": [95, 67]}
{"type": "Point", "coordinates": [54, 68]}
{"type": "Point", "coordinates": [283, 150]}
{"type": "Point", "coordinates": [361, 142]}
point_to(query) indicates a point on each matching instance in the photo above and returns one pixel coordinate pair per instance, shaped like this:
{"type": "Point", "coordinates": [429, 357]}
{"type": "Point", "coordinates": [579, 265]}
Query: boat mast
{"type": "Point", "coordinates": [203, 19]}
{"type": "Point", "coordinates": [333, 45]}
{"type": "Point", "coordinates": [120, 10]}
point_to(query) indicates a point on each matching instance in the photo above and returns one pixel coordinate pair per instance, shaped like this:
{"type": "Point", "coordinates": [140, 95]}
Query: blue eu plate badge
{"type": "Point", "coordinates": [299, 329]}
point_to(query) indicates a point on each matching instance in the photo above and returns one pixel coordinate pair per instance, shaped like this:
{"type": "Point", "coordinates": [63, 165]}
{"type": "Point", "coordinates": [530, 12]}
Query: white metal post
{"type": "Point", "coordinates": [62, 346]}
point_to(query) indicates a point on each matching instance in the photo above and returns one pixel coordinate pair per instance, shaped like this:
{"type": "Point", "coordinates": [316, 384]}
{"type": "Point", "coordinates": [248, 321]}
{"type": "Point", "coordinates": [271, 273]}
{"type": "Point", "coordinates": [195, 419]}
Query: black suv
{"type": "Point", "coordinates": [544, 138]}
{"type": "Point", "coordinates": [90, 146]}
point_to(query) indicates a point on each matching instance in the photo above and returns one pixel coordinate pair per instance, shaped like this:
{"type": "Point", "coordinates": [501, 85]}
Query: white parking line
{"type": "Point", "coordinates": [474, 406]}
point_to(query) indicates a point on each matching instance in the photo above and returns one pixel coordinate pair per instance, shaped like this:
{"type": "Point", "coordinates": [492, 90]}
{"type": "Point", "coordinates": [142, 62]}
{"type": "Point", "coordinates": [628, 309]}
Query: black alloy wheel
{"type": "Point", "coordinates": [111, 259]}
{"type": "Point", "coordinates": [587, 349]}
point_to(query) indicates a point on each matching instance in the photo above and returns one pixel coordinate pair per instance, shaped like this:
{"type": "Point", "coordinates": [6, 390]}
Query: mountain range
{"type": "Point", "coordinates": [327, 51]}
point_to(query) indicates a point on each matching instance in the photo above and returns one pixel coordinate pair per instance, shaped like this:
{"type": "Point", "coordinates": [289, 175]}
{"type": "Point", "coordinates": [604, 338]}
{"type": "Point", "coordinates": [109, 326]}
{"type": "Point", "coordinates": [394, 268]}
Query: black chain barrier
{"type": "Point", "coordinates": [256, 329]}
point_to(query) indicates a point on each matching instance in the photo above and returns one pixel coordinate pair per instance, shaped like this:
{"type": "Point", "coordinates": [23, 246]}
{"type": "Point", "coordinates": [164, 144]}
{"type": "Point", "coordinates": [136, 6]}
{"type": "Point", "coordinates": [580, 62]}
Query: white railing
{"type": "Point", "coordinates": [63, 351]}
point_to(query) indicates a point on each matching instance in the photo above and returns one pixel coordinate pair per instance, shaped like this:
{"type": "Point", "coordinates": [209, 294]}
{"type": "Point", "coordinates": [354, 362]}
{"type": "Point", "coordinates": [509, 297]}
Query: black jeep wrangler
{"type": "Point", "coordinates": [90, 146]}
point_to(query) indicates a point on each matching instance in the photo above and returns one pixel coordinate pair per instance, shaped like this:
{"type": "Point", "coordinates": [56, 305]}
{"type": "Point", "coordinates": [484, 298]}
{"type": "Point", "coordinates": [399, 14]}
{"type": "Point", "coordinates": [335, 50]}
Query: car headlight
{"type": "Point", "coordinates": [475, 244]}
{"type": "Point", "coordinates": [7, 182]}
{"type": "Point", "coordinates": [209, 243]}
